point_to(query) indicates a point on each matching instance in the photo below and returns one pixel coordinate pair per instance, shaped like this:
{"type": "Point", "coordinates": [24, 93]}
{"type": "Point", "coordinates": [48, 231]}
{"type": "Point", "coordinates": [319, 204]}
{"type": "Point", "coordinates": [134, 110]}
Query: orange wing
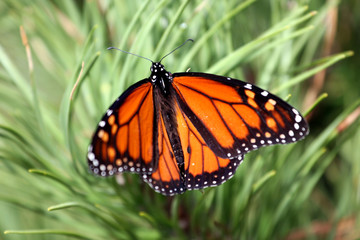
{"type": "Point", "coordinates": [167, 177]}
{"type": "Point", "coordinates": [202, 168]}
{"type": "Point", "coordinates": [124, 140]}
{"type": "Point", "coordinates": [234, 117]}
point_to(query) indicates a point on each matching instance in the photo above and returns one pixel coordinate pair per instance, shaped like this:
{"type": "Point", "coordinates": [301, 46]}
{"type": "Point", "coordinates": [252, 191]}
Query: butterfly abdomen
{"type": "Point", "coordinates": [165, 103]}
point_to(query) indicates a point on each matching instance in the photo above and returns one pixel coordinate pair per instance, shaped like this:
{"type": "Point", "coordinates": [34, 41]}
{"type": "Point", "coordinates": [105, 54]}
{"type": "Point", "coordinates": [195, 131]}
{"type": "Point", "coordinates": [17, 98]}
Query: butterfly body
{"type": "Point", "coordinates": [186, 131]}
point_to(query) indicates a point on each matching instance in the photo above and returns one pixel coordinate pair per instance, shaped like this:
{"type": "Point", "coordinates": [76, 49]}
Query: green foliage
{"type": "Point", "coordinates": [45, 187]}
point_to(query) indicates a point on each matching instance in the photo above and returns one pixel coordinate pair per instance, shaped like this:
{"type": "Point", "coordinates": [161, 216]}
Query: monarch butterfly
{"type": "Point", "coordinates": [189, 130]}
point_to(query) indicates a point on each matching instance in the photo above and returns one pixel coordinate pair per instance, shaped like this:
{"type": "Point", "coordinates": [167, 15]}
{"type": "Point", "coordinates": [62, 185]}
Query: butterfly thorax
{"type": "Point", "coordinates": [160, 77]}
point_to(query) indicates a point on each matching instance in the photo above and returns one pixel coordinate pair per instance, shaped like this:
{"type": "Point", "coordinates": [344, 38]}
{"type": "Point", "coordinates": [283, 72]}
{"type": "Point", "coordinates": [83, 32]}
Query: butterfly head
{"type": "Point", "coordinates": [160, 77]}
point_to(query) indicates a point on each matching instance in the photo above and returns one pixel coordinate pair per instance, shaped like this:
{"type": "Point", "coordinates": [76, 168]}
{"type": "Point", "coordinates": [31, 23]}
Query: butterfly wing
{"type": "Point", "coordinates": [234, 117]}
{"type": "Point", "coordinates": [124, 140]}
{"type": "Point", "coordinates": [166, 178]}
{"type": "Point", "coordinates": [131, 137]}
{"type": "Point", "coordinates": [202, 167]}
{"type": "Point", "coordinates": [194, 166]}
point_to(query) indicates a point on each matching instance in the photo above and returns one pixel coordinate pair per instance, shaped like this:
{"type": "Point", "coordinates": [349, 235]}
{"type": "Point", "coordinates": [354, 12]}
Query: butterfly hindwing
{"type": "Point", "coordinates": [235, 117]}
{"type": "Point", "coordinates": [166, 178]}
{"type": "Point", "coordinates": [202, 167]}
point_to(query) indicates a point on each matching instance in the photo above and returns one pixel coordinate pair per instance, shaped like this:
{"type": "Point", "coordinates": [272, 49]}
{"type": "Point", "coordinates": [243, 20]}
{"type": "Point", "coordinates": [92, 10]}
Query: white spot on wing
{"type": "Point", "coordinates": [248, 86]}
{"type": "Point", "coordinates": [295, 111]}
{"type": "Point", "coordinates": [109, 112]}
{"type": "Point", "coordinates": [102, 123]}
{"type": "Point", "coordinates": [91, 156]}
{"type": "Point", "coordinates": [298, 118]}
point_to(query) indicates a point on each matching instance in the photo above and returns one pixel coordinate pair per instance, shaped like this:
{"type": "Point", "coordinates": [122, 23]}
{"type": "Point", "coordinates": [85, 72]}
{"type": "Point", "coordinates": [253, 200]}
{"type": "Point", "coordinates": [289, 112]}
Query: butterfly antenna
{"type": "Point", "coordinates": [109, 48]}
{"type": "Point", "coordinates": [176, 49]}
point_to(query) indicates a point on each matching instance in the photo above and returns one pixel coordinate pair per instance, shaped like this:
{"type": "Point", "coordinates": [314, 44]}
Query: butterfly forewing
{"type": "Point", "coordinates": [235, 117]}
{"type": "Point", "coordinates": [124, 139]}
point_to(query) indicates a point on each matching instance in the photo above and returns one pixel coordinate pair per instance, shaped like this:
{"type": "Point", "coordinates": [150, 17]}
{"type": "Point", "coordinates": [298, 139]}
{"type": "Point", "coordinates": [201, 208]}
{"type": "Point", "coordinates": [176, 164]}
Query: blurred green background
{"type": "Point", "coordinates": [304, 51]}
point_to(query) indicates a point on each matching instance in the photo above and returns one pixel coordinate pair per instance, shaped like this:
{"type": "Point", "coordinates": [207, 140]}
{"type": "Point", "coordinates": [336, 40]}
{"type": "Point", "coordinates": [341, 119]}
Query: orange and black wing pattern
{"type": "Point", "coordinates": [234, 117]}
{"type": "Point", "coordinates": [125, 139]}
{"type": "Point", "coordinates": [187, 131]}
{"type": "Point", "coordinates": [167, 177]}
{"type": "Point", "coordinates": [193, 166]}
{"type": "Point", "coordinates": [131, 137]}
{"type": "Point", "coordinates": [203, 168]}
